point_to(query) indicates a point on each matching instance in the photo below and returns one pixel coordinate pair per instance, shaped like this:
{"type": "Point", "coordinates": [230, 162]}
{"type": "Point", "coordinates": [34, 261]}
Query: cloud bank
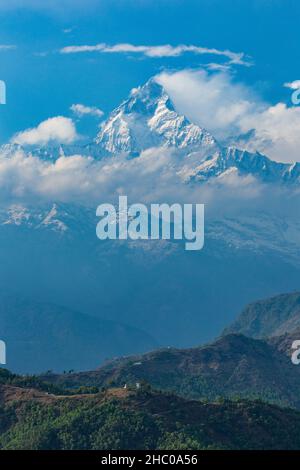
{"type": "Point", "coordinates": [57, 129]}
{"type": "Point", "coordinates": [235, 114]}
{"type": "Point", "coordinates": [153, 177]}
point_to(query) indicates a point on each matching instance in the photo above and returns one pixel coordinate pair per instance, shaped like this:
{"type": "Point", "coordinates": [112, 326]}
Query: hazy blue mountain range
{"type": "Point", "coordinates": [178, 299]}
{"type": "Point", "coordinates": [50, 254]}
{"type": "Point", "coordinates": [42, 336]}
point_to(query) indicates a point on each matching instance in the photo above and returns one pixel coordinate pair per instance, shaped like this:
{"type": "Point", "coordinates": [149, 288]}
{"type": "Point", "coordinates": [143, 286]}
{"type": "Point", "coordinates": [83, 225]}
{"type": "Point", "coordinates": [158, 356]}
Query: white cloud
{"type": "Point", "coordinates": [153, 177]}
{"type": "Point", "coordinates": [228, 109]}
{"type": "Point", "coordinates": [295, 85]}
{"type": "Point", "coordinates": [210, 100]}
{"type": "Point", "coordinates": [82, 110]}
{"type": "Point", "coordinates": [6, 47]}
{"type": "Point", "coordinates": [57, 129]}
{"type": "Point", "coordinates": [165, 50]}
{"type": "Point", "coordinates": [277, 131]}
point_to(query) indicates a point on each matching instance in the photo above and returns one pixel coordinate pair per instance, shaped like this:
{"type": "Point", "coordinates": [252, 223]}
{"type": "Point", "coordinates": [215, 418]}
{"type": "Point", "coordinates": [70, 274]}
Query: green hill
{"type": "Point", "coordinates": [144, 419]}
{"type": "Point", "coordinates": [234, 365]}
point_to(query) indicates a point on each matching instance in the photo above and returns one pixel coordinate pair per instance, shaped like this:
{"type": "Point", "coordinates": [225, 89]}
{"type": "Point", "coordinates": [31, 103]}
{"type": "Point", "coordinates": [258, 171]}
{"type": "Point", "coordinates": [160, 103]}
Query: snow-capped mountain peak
{"type": "Point", "coordinates": [148, 119]}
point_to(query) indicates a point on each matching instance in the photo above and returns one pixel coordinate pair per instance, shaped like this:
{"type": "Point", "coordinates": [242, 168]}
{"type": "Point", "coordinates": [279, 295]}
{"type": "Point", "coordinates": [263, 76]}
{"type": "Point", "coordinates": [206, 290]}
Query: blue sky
{"type": "Point", "coordinates": [42, 82]}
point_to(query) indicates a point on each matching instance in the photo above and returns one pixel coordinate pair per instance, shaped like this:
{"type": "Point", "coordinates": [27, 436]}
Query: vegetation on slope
{"type": "Point", "coordinates": [269, 317]}
{"type": "Point", "coordinates": [122, 419]}
{"type": "Point", "coordinates": [232, 366]}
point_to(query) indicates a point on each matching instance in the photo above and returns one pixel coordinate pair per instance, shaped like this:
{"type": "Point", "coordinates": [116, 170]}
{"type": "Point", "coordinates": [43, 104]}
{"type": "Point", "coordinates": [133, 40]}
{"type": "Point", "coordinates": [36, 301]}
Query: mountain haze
{"type": "Point", "coordinates": [50, 253]}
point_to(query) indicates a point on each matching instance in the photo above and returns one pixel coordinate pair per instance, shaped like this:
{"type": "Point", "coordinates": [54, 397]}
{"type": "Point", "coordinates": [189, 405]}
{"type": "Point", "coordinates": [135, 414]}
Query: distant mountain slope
{"type": "Point", "coordinates": [121, 419]}
{"type": "Point", "coordinates": [232, 366]}
{"type": "Point", "coordinates": [284, 342]}
{"type": "Point", "coordinates": [230, 160]}
{"type": "Point", "coordinates": [274, 316]}
{"type": "Point", "coordinates": [43, 336]}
